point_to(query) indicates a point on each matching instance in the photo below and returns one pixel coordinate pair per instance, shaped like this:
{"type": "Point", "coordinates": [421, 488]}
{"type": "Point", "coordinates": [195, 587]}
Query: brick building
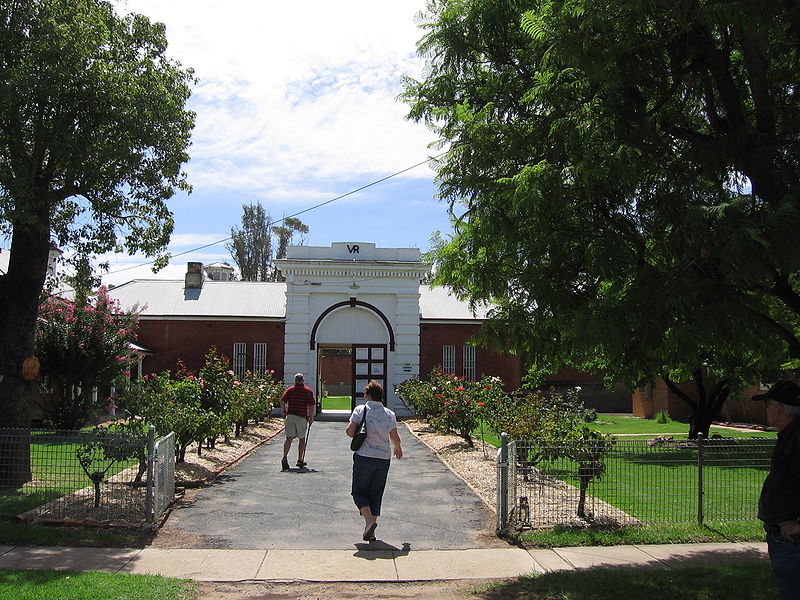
{"type": "Point", "coordinates": [345, 314]}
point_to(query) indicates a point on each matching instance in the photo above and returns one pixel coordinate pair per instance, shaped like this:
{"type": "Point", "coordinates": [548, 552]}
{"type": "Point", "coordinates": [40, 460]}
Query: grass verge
{"type": "Point", "coordinates": [563, 537]}
{"type": "Point", "coordinates": [21, 534]}
{"type": "Point", "coordinates": [66, 585]}
{"type": "Point", "coordinates": [718, 582]}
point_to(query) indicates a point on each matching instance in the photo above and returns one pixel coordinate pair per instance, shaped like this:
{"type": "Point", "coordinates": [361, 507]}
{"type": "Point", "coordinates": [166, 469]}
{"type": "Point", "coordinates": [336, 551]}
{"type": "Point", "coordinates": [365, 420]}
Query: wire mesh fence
{"type": "Point", "coordinates": [630, 482]}
{"type": "Point", "coordinates": [95, 476]}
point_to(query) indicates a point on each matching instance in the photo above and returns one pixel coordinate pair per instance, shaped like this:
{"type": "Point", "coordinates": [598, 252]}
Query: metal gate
{"type": "Point", "coordinates": [160, 476]}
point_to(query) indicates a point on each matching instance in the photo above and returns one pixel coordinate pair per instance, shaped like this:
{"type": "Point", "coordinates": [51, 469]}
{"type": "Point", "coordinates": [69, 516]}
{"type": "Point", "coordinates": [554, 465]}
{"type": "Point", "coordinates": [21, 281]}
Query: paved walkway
{"type": "Point", "coordinates": [363, 564]}
{"type": "Point", "coordinates": [255, 506]}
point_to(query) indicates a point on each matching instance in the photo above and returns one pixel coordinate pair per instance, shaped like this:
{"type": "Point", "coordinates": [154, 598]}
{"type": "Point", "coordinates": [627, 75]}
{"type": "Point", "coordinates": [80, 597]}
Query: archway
{"type": "Point", "coordinates": [352, 341]}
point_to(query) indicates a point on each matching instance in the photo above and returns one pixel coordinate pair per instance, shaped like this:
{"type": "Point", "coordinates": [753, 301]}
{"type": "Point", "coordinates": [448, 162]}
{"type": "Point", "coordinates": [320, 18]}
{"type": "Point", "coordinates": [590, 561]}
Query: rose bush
{"type": "Point", "coordinates": [201, 408]}
{"type": "Point", "coordinates": [450, 403]}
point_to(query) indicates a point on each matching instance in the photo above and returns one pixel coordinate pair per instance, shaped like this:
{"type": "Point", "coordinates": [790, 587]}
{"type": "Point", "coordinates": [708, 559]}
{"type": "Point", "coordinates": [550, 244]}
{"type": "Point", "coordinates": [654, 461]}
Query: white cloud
{"type": "Point", "coordinates": [292, 92]}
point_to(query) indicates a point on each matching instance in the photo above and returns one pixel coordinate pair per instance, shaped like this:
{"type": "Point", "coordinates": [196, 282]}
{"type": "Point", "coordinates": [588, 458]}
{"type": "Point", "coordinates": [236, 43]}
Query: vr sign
{"type": "Point", "coordinates": [352, 249]}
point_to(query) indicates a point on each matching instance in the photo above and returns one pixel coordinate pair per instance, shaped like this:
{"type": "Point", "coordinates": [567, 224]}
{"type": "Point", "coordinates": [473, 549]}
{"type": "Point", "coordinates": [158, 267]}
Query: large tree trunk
{"type": "Point", "coordinates": [20, 290]}
{"type": "Point", "coordinates": [708, 404]}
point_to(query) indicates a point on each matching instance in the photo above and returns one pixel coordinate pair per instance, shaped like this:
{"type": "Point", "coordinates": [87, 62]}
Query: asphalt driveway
{"type": "Point", "coordinates": [256, 506]}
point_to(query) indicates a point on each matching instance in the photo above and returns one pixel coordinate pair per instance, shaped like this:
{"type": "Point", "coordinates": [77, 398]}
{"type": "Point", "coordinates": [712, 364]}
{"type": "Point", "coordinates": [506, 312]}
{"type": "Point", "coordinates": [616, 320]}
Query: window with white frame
{"type": "Point", "coordinates": [239, 359]}
{"type": "Point", "coordinates": [259, 358]}
{"type": "Point", "coordinates": [449, 358]}
{"type": "Point", "coordinates": [469, 363]}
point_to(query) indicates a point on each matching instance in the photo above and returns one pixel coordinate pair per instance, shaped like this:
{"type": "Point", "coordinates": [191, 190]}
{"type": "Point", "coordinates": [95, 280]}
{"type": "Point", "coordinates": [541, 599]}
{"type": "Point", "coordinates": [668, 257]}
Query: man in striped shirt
{"type": "Point", "coordinates": [298, 406]}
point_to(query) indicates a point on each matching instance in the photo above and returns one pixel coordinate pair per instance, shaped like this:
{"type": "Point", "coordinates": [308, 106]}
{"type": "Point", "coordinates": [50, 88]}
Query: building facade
{"type": "Point", "coordinates": [345, 314]}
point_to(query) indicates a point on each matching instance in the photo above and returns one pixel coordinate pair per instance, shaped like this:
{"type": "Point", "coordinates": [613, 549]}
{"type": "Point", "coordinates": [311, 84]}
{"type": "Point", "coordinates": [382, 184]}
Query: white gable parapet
{"type": "Point", "coordinates": [380, 289]}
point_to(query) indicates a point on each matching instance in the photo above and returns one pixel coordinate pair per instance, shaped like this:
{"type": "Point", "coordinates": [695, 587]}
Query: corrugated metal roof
{"type": "Point", "coordinates": [252, 299]}
{"type": "Point", "coordinates": [244, 299]}
{"type": "Point", "coordinates": [439, 303]}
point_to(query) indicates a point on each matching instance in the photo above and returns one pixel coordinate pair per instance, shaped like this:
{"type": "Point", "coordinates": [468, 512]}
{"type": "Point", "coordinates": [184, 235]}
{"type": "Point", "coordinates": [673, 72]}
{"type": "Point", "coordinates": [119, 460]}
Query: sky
{"type": "Point", "coordinates": [296, 105]}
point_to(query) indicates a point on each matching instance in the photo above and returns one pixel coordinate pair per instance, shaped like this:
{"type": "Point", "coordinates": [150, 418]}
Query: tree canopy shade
{"type": "Point", "coordinates": [629, 176]}
{"type": "Point", "coordinates": [94, 131]}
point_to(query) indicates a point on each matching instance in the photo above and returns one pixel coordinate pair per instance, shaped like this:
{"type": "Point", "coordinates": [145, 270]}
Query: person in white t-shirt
{"type": "Point", "coordinates": [371, 461]}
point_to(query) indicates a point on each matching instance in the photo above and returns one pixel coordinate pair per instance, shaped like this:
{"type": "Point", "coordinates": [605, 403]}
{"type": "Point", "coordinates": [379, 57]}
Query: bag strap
{"type": "Point", "coordinates": [363, 424]}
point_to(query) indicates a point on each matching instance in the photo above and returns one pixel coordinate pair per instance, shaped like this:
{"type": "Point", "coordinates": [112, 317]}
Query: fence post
{"type": "Point", "coordinates": [700, 447]}
{"type": "Point", "coordinates": [502, 506]}
{"type": "Point", "coordinates": [149, 501]}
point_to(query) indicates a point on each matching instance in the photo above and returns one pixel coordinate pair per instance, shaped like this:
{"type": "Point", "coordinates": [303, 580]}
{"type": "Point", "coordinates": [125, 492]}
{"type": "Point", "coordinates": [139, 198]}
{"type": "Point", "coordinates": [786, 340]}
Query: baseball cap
{"type": "Point", "coordinates": [785, 392]}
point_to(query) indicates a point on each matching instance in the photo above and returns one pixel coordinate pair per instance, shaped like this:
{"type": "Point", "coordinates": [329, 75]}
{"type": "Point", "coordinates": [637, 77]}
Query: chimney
{"type": "Point", "coordinates": [194, 276]}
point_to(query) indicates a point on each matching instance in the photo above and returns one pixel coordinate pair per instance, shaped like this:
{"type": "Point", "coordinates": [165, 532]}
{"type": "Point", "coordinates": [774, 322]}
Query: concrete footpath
{"type": "Point", "coordinates": [366, 564]}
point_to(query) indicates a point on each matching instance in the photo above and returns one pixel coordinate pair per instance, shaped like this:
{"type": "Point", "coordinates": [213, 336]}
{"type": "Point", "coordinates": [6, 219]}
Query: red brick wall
{"type": "Point", "coordinates": [739, 408]}
{"type": "Point", "coordinates": [190, 341]}
{"type": "Point", "coordinates": [433, 336]}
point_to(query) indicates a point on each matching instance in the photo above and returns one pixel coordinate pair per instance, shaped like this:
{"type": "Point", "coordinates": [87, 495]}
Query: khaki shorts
{"type": "Point", "coordinates": [295, 426]}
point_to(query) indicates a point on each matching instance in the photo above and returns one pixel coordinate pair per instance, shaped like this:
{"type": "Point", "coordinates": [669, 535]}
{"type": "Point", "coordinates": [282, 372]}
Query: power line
{"type": "Point", "coordinates": [316, 206]}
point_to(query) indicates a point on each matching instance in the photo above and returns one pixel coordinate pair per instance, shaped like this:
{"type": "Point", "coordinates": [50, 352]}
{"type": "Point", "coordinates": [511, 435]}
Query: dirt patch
{"type": "Point", "coordinates": [426, 590]}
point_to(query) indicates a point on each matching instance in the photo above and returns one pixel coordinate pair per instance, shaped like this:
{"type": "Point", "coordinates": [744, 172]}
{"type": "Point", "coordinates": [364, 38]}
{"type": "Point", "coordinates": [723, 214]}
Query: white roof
{"type": "Point", "coordinates": [257, 299]}
{"type": "Point", "coordinates": [168, 298]}
{"type": "Point", "coordinates": [439, 303]}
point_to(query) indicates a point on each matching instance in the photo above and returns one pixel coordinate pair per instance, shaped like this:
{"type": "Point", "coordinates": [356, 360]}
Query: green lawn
{"type": "Point", "coordinates": [624, 424]}
{"type": "Point", "coordinates": [662, 533]}
{"type": "Point", "coordinates": [56, 472]}
{"type": "Point", "coordinates": [65, 585]}
{"type": "Point", "coordinates": [658, 485]}
{"type": "Point", "coordinates": [336, 403]}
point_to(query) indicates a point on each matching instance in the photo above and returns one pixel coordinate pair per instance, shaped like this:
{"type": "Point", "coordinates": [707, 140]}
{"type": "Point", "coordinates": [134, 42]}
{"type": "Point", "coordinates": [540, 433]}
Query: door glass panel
{"type": "Point", "coordinates": [362, 353]}
{"type": "Point", "coordinates": [377, 354]}
{"type": "Point", "coordinates": [361, 369]}
{"type": "Point", "coordinates": [377, 368]}
{"type": "Point", "coordinates": [361, 384]}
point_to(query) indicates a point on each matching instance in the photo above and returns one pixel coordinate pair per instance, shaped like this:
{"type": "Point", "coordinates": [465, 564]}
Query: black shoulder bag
{"type": "Point", "coordinates": [361, 434]}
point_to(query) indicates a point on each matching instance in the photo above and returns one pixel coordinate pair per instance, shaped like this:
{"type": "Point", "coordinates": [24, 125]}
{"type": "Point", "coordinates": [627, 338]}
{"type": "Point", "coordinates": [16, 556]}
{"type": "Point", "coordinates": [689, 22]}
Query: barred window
{"type": "Point", "coordinates": [259, 358]}
{"type": "Point", "coordinates": [449, 359]}
{"type": "Point", "coordinates": [469, 363]}
{"type": "Point", "coordinates": [239, 359]}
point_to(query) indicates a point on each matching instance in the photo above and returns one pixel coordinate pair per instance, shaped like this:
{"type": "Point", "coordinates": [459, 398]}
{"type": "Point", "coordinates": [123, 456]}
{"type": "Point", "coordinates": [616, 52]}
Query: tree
{"type": "Point", "coordinates": [93, 135]}
{"type": "Point", "coordinates": [628, 173]}
{"type": "Point", "coordinates": [286, 232]}
{"type": "Point", "coordinates": [251, 246]}
{"type": "Point", "coordinates": [81, 346]}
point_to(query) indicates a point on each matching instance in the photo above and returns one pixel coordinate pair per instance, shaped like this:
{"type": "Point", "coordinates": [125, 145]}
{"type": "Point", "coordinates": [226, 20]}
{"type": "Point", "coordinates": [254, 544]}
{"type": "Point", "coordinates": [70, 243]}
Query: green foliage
{"type": "Point", "coordinates": [95, 136]}
{"type": "Point", "coordinates": [662, 417]}
{"type": "Point", "coordinates": [627, 202]}
{"type": "Point", "coordinates": [449, 403]}
{"type": "Point", "coordinates": [171, 405]}
{"type": "Point", "coordinates": [201, 407]}
{"type": "Point", "coordinates": [100, 121]}
{"type": "Point", "coordinates": [251, 245]}
{"type": "Point", "coordinates": [81, 346]}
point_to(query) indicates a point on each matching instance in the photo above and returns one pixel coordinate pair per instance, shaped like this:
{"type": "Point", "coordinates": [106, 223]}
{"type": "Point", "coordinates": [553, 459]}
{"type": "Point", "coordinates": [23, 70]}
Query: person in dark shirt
{"type": "Point", "coordinates": [298, 407]}
{"type": "Point", "coordinates": [779, 504]}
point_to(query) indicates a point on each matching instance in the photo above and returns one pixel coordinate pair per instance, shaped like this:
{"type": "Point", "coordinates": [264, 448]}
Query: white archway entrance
{"type": "Point", "coordinates": [357, 302]}
{"type": "Point", "coordinates": [352, 348]}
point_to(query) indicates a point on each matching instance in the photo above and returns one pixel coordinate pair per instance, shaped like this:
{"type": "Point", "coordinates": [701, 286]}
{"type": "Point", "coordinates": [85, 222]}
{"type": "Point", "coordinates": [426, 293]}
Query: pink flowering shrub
{"type": "Point", "coordinates": [81, 347]}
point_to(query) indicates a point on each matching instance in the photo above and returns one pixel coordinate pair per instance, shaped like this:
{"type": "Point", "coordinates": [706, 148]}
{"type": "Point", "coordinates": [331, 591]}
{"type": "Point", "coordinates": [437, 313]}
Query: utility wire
{"type": "Point", "coordinates": [316, 206]}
